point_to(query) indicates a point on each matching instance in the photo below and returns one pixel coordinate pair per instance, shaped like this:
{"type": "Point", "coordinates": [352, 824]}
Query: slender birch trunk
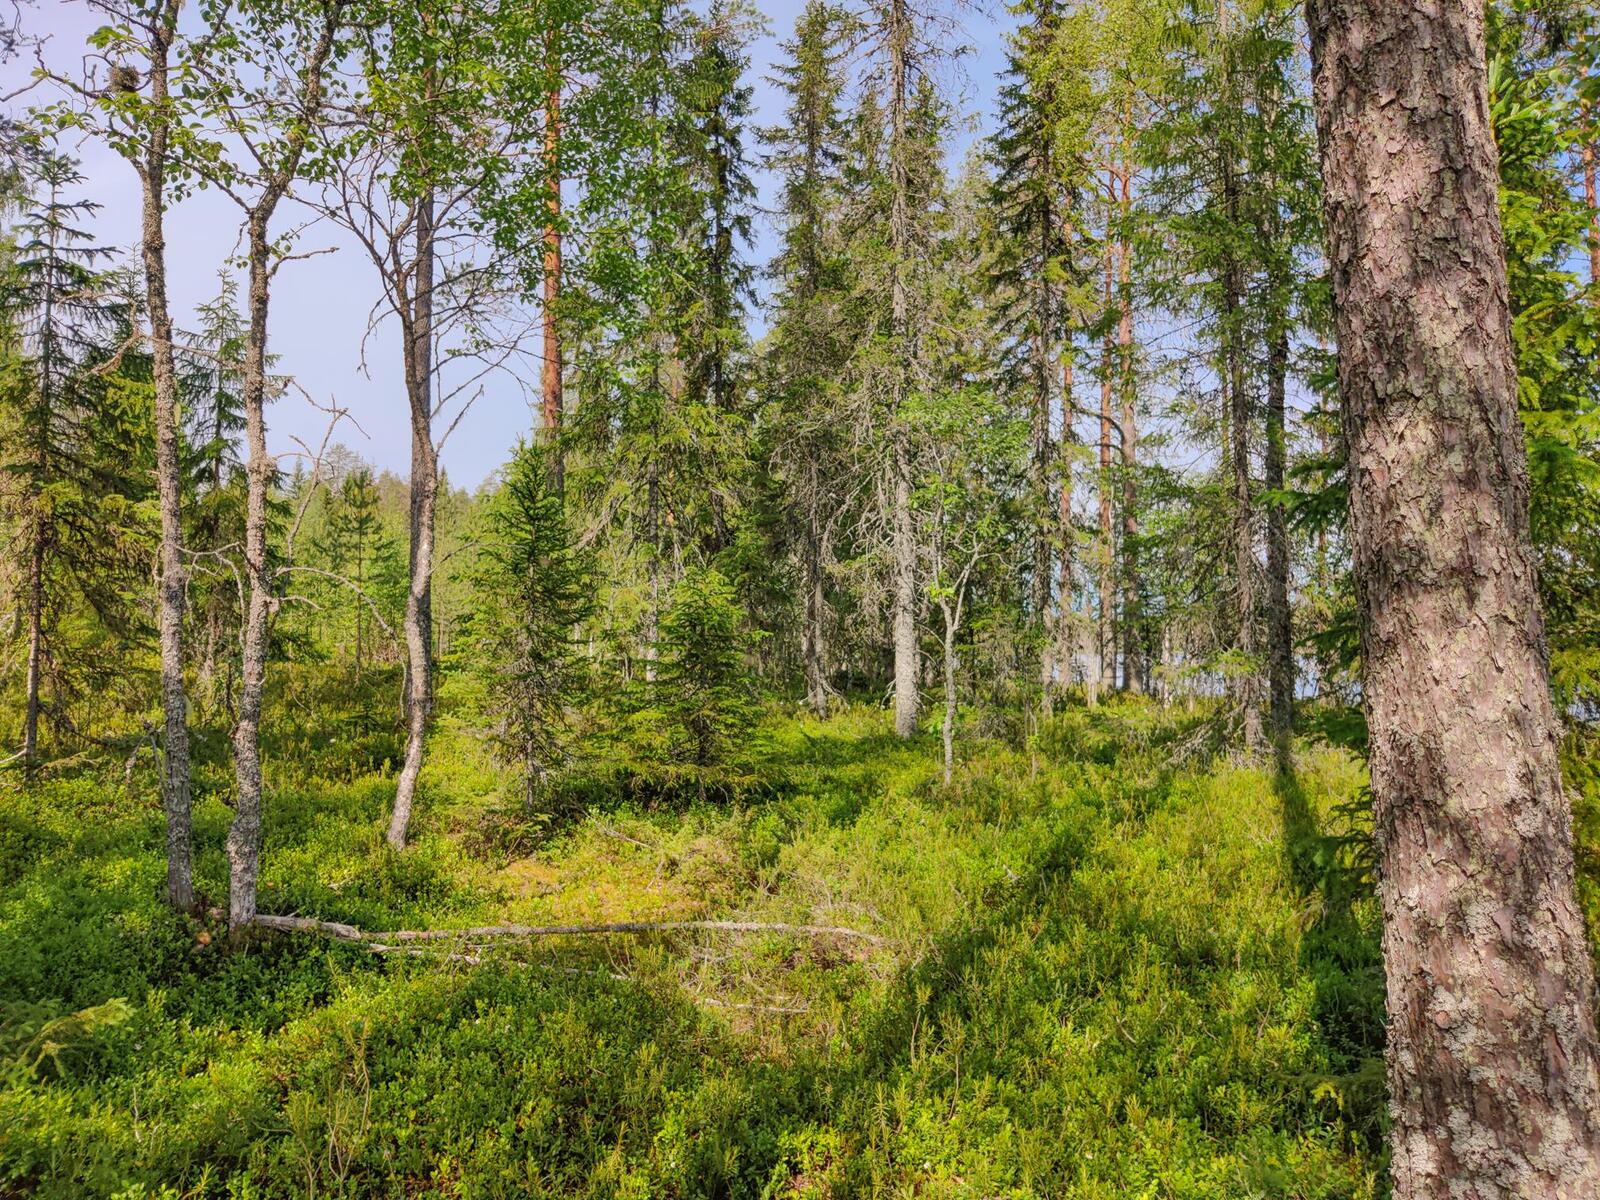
{"type": "Point", "coordinates": [173, 574]}
{"type": "Point", "coordinates": [418, 623]}
{"type": "Point", "coordinates": [244, 833]}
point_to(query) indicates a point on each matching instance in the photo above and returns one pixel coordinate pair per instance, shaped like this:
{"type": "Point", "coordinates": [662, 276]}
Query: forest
{"type": "Point", "coordinates": [1014, 610]}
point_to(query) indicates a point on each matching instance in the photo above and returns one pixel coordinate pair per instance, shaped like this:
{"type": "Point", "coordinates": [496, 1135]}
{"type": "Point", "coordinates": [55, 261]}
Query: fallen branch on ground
{"type": "Point", "coordinates": [371, 941]}
{"type": "Point", "coordinates": [350, 933]}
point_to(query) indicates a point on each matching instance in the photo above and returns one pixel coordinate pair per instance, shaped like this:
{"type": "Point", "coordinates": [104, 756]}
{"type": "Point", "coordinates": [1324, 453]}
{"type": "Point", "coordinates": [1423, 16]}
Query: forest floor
{"type": "Point", "coordinates": [1109, 967]}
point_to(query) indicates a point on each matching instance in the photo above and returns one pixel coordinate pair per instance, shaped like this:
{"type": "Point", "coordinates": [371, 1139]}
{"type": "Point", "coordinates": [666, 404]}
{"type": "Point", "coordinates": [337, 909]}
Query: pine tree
{"type": "Point", "coordinates": [1490, 985]}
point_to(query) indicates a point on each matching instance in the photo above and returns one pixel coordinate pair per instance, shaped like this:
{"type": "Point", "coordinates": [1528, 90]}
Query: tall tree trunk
{"type": "Point", "coordinates": [1039, 477]}
{"type": "Point", "coordinates": [1494, 1076]}
{"type": "Point", "coordinates": [551, 380]}
{"type": "Point", "coordinates": [244, 833]}
{"type": "Point", "coordinates": [947, 730]}
{"type": "Point", "coordinates": [1133, 665]}
{"type": "Point", "coordinates": [1237, 415]}
{"type": "Point", "coordinates": [418, 626]}
{"type": "Point", "coordinates": [813, 646]}
{"type": "Point", "coordinates": [40, 540]}
{"type": "Point", "coordinates": [1066, 639]}
{"type": "Point", "coordinates": [903, 551]}
{"type": "Point", "coordinates": [1248, 687]}
{"type": "Point", "coordinates": [1280, 635]}
{"type": "Point", "coordinates": [30, 717]}
{"type": "Point", "coordinates": [652, 614]}
{"type": "Point", "coordinates": [172, 577]}
{"type": "Point", "coordinates": [1106, 552]}
{"type": "Point", "coordinates": [1591, 197]}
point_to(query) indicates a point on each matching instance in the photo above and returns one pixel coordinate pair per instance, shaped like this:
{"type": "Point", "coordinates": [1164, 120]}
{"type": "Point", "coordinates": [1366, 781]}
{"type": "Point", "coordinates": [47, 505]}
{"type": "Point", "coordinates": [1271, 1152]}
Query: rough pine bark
{"type": "Point", "coordinates": [424, 495]}
{"type": "Point", "coordinates": [1493, 1077]}
{"type": "Point", "coordinates": [172, 576]}
{"type": "Point", "coordinates": [1106, 552]}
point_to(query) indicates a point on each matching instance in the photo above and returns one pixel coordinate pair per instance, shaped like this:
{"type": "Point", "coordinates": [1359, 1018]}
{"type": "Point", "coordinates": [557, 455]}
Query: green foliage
{"type": "Point", "coordinates": [356, 548]}
{"type": "Point", "coordinates": [1107, 972]}
{"type": "Point", "coordinates": [75, 453]}
{"type": "Point", "coordinates": [1534, 74]}
{"type": "Point", "coordinates": [703, 686]}
{"type": "Point", "coordinates": [534, 590]}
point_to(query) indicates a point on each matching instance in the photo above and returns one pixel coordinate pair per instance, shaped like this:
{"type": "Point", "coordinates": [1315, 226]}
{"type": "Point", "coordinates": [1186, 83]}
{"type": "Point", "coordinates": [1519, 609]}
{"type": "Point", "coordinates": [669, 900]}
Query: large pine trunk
{"type": "Point", "coordinates": [1491, 1058]}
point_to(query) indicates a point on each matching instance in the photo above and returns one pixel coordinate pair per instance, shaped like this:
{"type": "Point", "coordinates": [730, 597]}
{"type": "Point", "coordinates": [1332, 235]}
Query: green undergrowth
{"type": "Point", "coordinates": [1110, 966]}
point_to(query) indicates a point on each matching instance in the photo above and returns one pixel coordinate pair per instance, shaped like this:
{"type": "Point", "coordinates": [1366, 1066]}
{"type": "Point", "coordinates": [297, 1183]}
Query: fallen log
{"type": "Point", "coordinates": [383, 943]}
{"type": "Point", "coordinates": [351, 933]}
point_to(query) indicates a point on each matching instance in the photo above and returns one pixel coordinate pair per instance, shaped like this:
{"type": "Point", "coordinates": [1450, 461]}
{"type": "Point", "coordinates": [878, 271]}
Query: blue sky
{"type": "Point", "coordinates": [321, 304]}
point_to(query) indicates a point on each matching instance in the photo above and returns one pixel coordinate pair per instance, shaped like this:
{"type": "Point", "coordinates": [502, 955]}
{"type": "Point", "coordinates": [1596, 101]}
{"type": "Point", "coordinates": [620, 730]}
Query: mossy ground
{"type": "Point", "coordinates": [1114, 968]}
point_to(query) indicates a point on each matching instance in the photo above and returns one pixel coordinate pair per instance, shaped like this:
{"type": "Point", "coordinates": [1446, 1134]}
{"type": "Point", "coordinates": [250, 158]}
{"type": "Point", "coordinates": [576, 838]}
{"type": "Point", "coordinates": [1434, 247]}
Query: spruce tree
{"type": "Point", "coordinates": [67, 454]}
{"type": "Point", "coordinates": [808, 344]}
{"type": "Point", "coordinates": [533, 588]}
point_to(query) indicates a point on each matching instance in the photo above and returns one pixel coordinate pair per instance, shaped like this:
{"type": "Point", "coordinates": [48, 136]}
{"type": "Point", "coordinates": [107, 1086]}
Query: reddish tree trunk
{"type": "Point", "coordinates": [1066, 642]}
{"type": "Point", "coordinates": [1132, 601]}
{"type": "Point", "coordinates": [1493, 1077]}
{"type": "Point", "coordinates": [1108, 602]}
{"type": "Point", "coordinates": [551, 381]}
